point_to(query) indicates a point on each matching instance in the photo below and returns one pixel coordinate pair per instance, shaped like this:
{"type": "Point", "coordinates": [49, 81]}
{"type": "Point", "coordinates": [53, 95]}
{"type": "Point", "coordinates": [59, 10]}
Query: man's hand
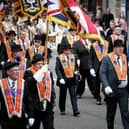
{"type": "Point", "coordinates": [92, 72]}
{"type": "Point", "coordinates": [108, 90]}
{"type": "Point", "coordinates": [31, 121]}
{"type": "Point", "coordinates": [62, 81]}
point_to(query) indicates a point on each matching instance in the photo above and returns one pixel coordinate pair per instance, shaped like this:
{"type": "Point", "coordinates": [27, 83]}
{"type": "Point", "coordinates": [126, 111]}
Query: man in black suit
{"type": "Point", "coordinates": [41, 86]}
{"type": "Point", "coordinates": [37, 48]}
{"type": "Point", "coordinates": [66, 71]}
{"type": "Point", "coordinates": [117, 35]}
{"type": "Point", "coordinates": [81, 49]}
{"type": "Point", "coordinates": [15, 100]}
{"type": "Point", "coordinates": [6, 47]}
{"type": "Point", "coordinates": [17, 57]}
{"type": "Point", "coordinates": [69, 39]}
{"type": "Point", "coordinates": [97, 52]}
{"type": "Point", "coordinates": [114, 78]}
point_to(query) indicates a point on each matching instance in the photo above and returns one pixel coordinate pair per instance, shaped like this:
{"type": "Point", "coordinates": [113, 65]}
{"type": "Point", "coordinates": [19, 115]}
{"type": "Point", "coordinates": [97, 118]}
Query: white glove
{"type": "Point", "coordinates": [108, 90]}
{"type": "Point", "coordinates": [40, 73]}
{"type": "Point", "coordinates": [123, 84]}
{"type": "Point", "coordinates": [92, 72]}
{"type": "Point", "coordinates": [78, 62]}
{"type": "Point", "coordinates": [31, 121]}
{"type": "Point", "coordinates": [76, 72]}
{"type": "Point", "coordinates": [62, 81]}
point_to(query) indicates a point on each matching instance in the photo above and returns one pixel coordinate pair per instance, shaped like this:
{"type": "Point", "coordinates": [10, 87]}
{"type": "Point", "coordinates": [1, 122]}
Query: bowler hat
{"type": "Point", "coordinates": [11, 32]}
{"type": "Point", "coordinates": [118, 42]}
{"type": "Point", "coordinates": [72, 29]}
{"type": "Point", "coordinates": [38, 37]}
{"type": "Point", "coordinates": [37, 58]}
{"type": "Point", "coordinates": [8, 65]}
{"type": "Point", "coordinates": [66, 46]}
{"type": "Point", "coordinates": [16, 48]}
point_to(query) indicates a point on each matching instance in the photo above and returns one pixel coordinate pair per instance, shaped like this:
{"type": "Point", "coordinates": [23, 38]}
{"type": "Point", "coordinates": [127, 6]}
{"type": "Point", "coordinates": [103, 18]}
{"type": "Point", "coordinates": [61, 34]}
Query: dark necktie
{"type": "Point", "coordinates": [68, 61]}
{"type": "Point", "coordinates": [23, 44]}
{"type": "Point", "coordinates": [13, 91]}
{"type": "Point", "coordinates": [37, 50]}
{"type": "Point", "coordinates": [118, 61]}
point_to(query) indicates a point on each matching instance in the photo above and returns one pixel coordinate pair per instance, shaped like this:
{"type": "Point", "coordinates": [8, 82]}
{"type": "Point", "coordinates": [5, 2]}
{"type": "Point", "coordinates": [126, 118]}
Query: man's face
{"type": "Point", "coordinates": [112, 25]}
{"type": "Point", "coordinates": [12, 37]}
{"type": "Point", "coordinates": [67, 52]}
{"type": "Point", "coordinates": [117, 31]}
{"type": "Point", "coordinates": [52, 38]}
{"type": "Point", "coordinates": [23, 35]}
{"type": "Point", "coordinates": [37, 43]}
{"type": "Point", "coordinates": [118, 50]}
{"type": "Point", "coordinates": [13, 72]}
{"type": "Point", "coordinates": [73, 32]}
{"type": "Point", "coordinates": [15, 54]}
{"type": "Point", "coordinates": [38, 65]}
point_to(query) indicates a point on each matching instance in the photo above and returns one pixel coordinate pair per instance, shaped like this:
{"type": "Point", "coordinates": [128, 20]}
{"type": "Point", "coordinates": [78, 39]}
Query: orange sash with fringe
{"type": "Point", "coordinates": [121, 76]}
{"type": "Point", "coordinates": [98, 51]}
{"type": "Point", "coordinates": [9, 52]}
{"type": "Point", "coordinates": [11, 108]}
{"type": "Point", "coordinates": [70, 40]}
{"type": "Point", "coordinates": [69, 71]}
{"type": "Point", "coordinates": [114, 38]}
{"type": "Point", "coordinates": [44, 87]}
{"type": "Point", "coordinates": [31, 51]}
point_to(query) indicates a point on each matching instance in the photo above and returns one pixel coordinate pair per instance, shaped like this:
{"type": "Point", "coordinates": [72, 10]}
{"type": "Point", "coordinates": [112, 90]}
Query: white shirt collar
{"type": "Point", "coordinates": [10, 81]}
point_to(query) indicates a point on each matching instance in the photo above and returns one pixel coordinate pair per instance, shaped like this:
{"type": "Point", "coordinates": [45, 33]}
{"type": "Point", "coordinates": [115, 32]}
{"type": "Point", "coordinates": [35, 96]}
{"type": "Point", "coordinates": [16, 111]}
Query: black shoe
{"type": "Point", "coordinates": [79, 96]}
{"type": "Point", "coordinates": [62, 113]}
{"type": "Point", "coordinates": [76, 114]}
{"type": "Point", "coordinates": [98, 102]}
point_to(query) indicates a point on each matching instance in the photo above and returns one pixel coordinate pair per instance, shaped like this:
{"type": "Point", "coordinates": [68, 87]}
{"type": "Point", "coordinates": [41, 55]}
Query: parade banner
{"type": "Point", "coordinates": [30, 8]}
{"type": "Point", "coordinates": [2, 12]}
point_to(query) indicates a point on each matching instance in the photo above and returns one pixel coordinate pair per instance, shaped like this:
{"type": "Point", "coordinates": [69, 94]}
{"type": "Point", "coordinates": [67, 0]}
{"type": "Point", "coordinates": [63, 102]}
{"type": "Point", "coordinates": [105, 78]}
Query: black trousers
{"type": "Point", "coordinates": [120, 98]}
{"type": "Point", "coordinates": [96, 83]}
{"type": "Point", "coordinates": [63, 93]}
{"type": "Point", "coordinates": [46, 117]}
{"type": "Point", "coordinates": [81, 85]}
{"type": "Point", "coordinates": [14, 123]}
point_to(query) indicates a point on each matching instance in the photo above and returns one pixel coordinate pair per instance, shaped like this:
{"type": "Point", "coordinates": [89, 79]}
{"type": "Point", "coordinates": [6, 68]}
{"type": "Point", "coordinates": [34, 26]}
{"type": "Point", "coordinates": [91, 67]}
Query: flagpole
{"type": "Point", "coordinates": [46, 42]}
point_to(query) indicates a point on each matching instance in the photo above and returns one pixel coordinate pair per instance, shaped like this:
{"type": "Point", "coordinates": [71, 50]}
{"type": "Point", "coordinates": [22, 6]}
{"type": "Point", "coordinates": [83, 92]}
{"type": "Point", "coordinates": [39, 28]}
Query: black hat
{"type": "Point", "coordinates": [72, 29]}
{"type": "Point", "coordinates": [66, 46]}
{"type": "Point", "coordinates": [118, 42]}
{"type": "Point", "coordinates": [11, 32]}
{"type": "Point", "coordinates": [38, 37]}
{"type": "Point", "coordinates": [37, 58]}
{"type": "Point", "coordinates": [8, 65]}
{"type": "Point", "coordinates": [16, 48]}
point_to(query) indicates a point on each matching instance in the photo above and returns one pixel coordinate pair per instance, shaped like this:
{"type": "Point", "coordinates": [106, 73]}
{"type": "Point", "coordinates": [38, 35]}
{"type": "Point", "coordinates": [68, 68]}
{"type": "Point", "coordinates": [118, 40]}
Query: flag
{"type": "Point", "coordinates": [2, 12]}
{"type": "Point", "coordinates": [30, 8]}
{"type": "Point", "coordinates": [81, 20]}
{"type": "Point", "coordinates": [55, 13]}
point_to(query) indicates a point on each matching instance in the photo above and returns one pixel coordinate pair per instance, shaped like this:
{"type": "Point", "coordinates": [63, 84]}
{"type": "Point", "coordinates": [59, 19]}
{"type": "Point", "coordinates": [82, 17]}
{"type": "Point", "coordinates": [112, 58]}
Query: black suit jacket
{"type": "Point", "coordinates": [61, 74]}
{"type": "Point", "coordinates": [93, 61]}
{"type": "Point", "coordinates": [26, 107]}
{"type": "Point", "coordinates": [82, 53]}
{"type": "Point", "coordinates": [109, 39]}
{"type": "Point", "coordinates": [108, 74]}
{"type": "Point", "coordinates": [28, 76]}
